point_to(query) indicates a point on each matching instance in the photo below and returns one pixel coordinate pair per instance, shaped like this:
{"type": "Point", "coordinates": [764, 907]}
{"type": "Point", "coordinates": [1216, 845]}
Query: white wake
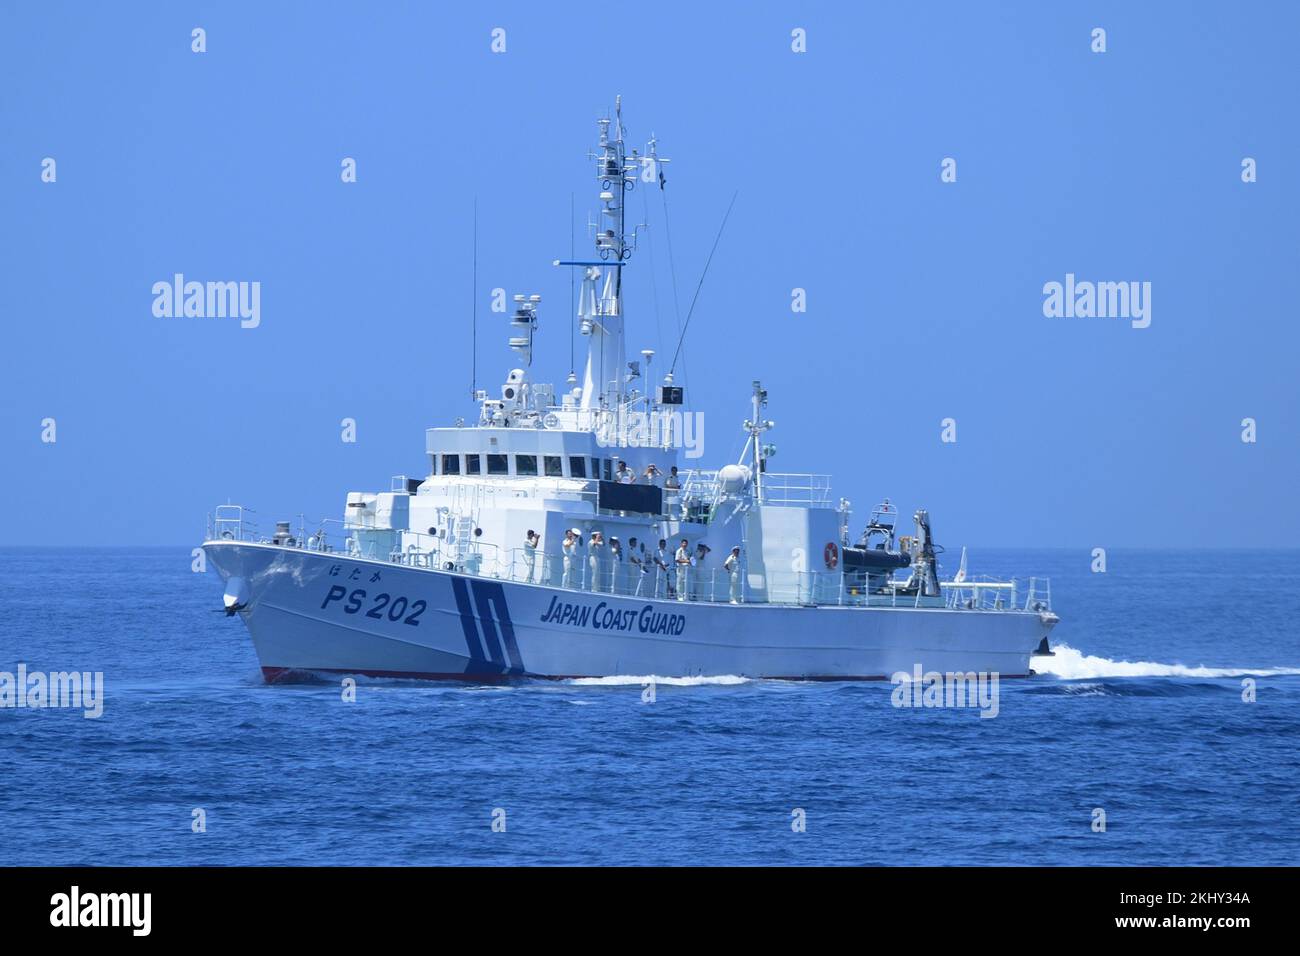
{"type": "Point", "coordinates": [623, 680]}
{"type": "Point", "coordinates": [1069, 664]}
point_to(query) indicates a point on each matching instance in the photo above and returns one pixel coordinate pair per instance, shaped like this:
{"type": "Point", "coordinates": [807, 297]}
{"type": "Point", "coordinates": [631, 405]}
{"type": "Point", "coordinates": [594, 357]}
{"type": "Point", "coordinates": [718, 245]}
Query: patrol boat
{"type": "Point", "coordinates": [560, 536]}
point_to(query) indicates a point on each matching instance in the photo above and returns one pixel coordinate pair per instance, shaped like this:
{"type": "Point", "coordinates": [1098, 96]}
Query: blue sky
{"type": "Point", "coordinates": [924, 298]}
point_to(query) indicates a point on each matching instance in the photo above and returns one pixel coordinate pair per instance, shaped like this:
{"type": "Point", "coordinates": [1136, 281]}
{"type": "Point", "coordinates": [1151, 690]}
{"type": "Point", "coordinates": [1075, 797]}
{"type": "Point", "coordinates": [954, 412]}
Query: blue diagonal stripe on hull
{"type": "Point", "coordinates": [478, 664]}
{"type": "Point", "coordinates": [494, 593]}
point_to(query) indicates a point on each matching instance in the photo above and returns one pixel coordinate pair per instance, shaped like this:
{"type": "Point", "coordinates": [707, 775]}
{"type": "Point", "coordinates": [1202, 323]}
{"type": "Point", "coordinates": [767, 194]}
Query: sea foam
{"type": "Point", "coordinates": [1070, 664]}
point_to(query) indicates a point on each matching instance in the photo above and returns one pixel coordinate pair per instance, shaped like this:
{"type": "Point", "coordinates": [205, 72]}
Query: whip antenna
{"type": "Point", "coordinates": [689, 312]}
{"type": "Point", "coordinates": [473, 307]}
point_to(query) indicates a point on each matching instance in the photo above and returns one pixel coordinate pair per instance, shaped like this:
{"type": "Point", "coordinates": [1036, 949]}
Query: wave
{"type": "Point", "coordinates": [1070, 664]}
{"type": "Point", "coordinates": [623, 680]}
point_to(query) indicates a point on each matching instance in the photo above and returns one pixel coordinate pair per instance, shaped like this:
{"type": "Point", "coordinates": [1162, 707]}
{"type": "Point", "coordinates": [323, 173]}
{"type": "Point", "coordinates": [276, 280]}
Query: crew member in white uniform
{"type": "Point", "coordinates": [571, 540]}
{"type": "Point", "coordinates": [616, 582]}
{"type": "Point", "coordinates": [635, 565]}
{"type": "Point", "coordinates": [530, 554]}
{"type": "Point", "coordinates": [661, 569]}
{"type": "Point", "coordinates": [595, 547]}
{"type": "Point", "coordinates": [732, 565]}
{"type": "Point", "coordinates": [683, 562]}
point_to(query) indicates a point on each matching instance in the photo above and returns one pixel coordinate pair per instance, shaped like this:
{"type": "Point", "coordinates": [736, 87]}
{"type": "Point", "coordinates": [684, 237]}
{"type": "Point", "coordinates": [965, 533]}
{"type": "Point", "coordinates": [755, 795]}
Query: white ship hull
{"type": "Point", "coordinates": [313, 612]}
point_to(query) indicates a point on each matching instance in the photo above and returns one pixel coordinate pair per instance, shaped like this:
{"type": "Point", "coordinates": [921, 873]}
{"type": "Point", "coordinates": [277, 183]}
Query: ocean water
{"type": "Point", "coordinates": [1143, 718]}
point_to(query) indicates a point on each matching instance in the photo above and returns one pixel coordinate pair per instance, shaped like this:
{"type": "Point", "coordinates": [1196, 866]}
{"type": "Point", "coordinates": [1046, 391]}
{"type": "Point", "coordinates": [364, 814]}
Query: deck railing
{"type": "Point", "coordinates": [793, 489]}
{"type": "Point", "coordinates": [231, 522]}
{"type": "Point", "coordinates": [642, 578]}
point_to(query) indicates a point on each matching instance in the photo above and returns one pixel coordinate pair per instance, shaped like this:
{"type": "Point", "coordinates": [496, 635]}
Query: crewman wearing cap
{"type": "Point", "coordinates": [732, 566]}
{"type": "Point", "coordinates": [683, 561]}
{"type": "Point", "coordinates": [595, 550]}
{"type": "Point", "coordinates": [616, 582]}
{"type": "Point", "coordinates": [571, 540]}
{"type": "Point", "coordinates": [531, 540]}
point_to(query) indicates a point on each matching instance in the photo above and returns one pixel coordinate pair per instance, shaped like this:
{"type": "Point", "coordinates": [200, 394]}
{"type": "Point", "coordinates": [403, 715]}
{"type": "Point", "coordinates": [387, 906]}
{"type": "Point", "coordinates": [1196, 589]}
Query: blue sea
{"type": "Point", "coordinates": [1144, 719]}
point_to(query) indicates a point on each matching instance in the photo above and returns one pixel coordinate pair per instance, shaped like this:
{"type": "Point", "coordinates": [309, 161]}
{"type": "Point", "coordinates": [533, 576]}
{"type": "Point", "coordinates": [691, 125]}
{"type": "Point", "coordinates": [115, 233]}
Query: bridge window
{"type": "Point", "coordinates": [554, 466]}
{"type": "Point", "coordinates": [497, 465]}
{"type": "Point", "coordinates": [577, 466]}
{"type": "Point", "coordinates": [526, 465]}
{"type": "Point", "coordinates": [451, 464]}
{"type": "Point", "coordinates": [609, 469]}
{"type": "Point", "coordinates": [473, 465]}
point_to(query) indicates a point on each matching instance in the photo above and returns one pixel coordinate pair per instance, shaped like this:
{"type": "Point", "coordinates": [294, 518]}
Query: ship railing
{"type": "Point", "coordinates": [641, 578]}
{"type": "Point", "coordinates": [231, 523]}
{"type": "Point", "coordinates": [992, 594]}
{"type": "Point", "coordinates": [580, 419]}
{"type": "Point", "coordinates": [644, 579]}
{"type": "Point", "coordinates": [1039, 597]}
{"type": "Point", "coordinates": [340, 536]}
{"type": "Point", "coordinates": [332, 535]}
{"type": "Point", "coordinates": [981, 593]}
{"type": "Point", "coordinates": [776, 488]}
{"type": "Point", "coordinates": [847, 589]}
{"type": "Point", "coordinates": [794, 489]}
{"type": "Point", "coordinates": [488, 491]}
{"type": "Point", "coordinates": [397, 545]}
{"type": "Point", "coordinates": [417, 549]}
{"type": "Point", "coordinates": [498, 492]}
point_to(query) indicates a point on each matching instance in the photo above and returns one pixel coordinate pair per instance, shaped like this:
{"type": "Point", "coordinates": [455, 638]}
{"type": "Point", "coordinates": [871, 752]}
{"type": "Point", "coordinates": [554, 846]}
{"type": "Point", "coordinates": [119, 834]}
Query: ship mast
{"type": "Point", "coordinates": [756, 426]}
{"type": "Point", "coordinates": [600, 306]}
{"type": "Point", "coordinates": [601, 311]}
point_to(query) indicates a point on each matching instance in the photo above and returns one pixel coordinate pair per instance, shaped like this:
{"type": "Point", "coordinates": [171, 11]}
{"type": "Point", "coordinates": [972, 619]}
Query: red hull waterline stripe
{"type": "Point", "coordinates": [284, 675]}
